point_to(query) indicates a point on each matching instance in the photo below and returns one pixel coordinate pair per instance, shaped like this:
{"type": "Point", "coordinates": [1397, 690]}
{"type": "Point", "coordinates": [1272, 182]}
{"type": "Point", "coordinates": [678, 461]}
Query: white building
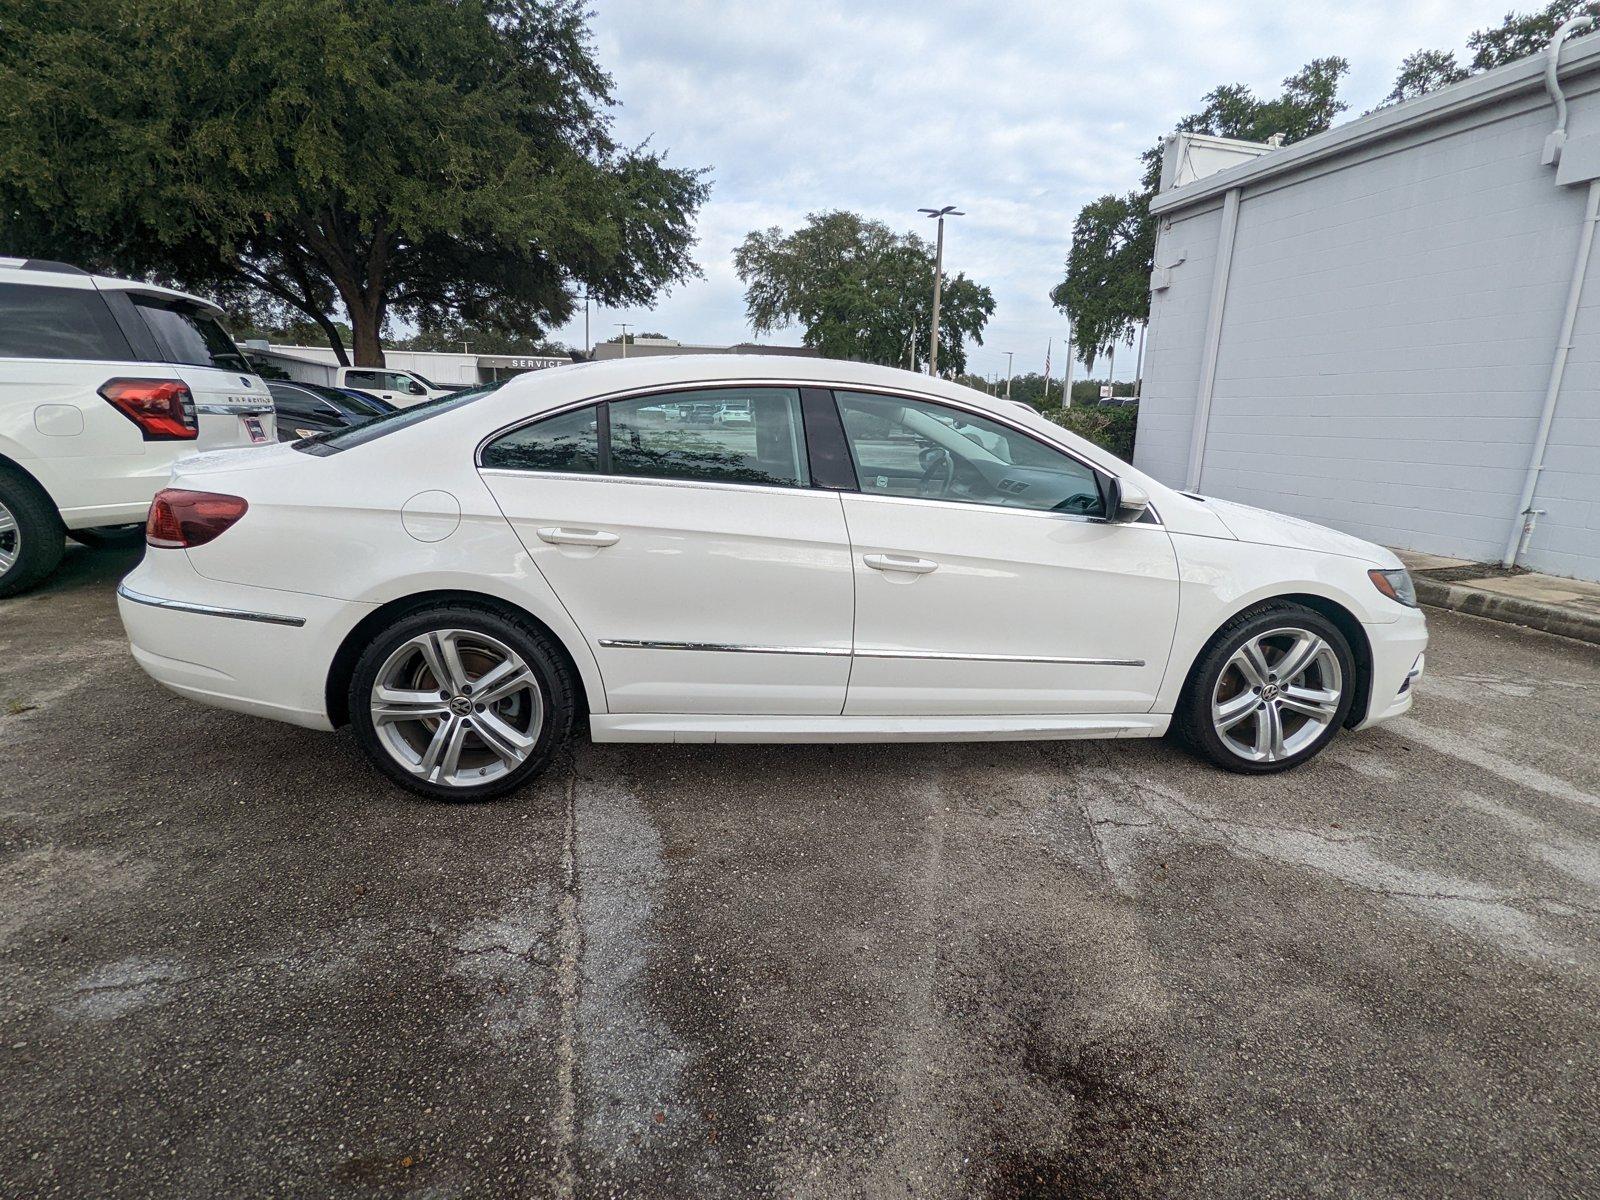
{"type": "Point", "coordinates": [314, 364]}
{"type": "Point", "coordinates": [1367, 328]}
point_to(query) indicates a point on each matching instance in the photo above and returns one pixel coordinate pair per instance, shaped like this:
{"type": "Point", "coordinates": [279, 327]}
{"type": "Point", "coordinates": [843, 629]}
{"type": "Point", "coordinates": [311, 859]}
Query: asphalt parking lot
{"type": "Point", "coordinates": [234, 962]}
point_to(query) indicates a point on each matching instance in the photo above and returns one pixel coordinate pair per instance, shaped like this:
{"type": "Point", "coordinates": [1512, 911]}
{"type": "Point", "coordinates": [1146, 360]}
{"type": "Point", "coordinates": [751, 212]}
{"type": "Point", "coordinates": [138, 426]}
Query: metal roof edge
{"type": "Point", "coordinates": [1579, 56]}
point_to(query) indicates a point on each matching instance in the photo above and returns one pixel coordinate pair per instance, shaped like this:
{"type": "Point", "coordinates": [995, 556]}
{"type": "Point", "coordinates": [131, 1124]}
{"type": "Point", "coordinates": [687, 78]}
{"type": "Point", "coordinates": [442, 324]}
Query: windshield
{"type": "Point", "coordinates": [189, 335]}
{"type": "Point", "coordinates": [425, 381]}
{"type": "Point", "coordinates": [389, 422]}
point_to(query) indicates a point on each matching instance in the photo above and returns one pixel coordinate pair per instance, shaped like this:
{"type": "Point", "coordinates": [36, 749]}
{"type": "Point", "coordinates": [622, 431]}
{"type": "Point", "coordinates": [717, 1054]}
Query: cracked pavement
{"type": "Point", "coordinates": [234, 962]}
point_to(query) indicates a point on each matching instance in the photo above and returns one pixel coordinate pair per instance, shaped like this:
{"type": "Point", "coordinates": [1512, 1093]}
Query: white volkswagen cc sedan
{"type": "Point", "coordinates": [874, 556]}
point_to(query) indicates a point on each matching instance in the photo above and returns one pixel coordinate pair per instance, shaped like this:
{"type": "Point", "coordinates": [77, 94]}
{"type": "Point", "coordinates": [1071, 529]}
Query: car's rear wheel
{"type": "Point", "coordinates": [1269, 691]}
{"type": "Point", "coordinates": [461, 703]}
{"type": "Point", "coordinates": [31, 541]}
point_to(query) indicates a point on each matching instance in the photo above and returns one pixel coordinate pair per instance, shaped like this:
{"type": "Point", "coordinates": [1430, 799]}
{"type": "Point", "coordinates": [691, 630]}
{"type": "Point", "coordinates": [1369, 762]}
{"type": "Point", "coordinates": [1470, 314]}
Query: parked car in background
{"type": "Point", "coordinates": [733, 416]}
{"type": "Point", "coordinates": [103, 384]}
{"type": "Point", "coordinates": [464, 581]}
{"type": "Point", "coordinates": [400, 388]}
{"type": "Point", "coordinates": [306, 409]}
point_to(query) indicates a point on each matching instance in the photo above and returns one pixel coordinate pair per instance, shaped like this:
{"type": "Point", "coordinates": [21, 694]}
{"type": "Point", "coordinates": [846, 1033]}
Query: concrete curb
{"type": "Point", "coordinates": [1531, 614]}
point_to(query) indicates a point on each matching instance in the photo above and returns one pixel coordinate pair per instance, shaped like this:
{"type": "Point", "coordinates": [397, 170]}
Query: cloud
{"type": "Point", "coordinates": [1019, 113]}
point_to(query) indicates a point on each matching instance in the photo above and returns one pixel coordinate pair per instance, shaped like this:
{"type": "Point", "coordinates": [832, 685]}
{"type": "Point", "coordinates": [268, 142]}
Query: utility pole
{"type": "Point", "coordinates": [949, 210]}
{"type": "Point", "coordinates": [1009, 356]}
{"type": "Point", "coordinates": [586, 322]}
{"type": "Point", "coordinates": [1111, 369]}
{"type": "Point", "coordinates": [623, 325]}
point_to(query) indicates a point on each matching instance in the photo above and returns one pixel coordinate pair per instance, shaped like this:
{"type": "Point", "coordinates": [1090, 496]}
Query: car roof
{"type": "Point", "coordinates": [535, 391]}
{"type": "Point", "coordinates": [59, 273]}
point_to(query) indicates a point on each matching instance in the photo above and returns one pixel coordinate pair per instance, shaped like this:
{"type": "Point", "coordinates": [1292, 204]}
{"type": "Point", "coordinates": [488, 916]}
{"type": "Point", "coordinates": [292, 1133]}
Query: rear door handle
{"type": "Point", "coordinates": [557, 536]}
{"type": "Point", "coordinates": [900, 562]}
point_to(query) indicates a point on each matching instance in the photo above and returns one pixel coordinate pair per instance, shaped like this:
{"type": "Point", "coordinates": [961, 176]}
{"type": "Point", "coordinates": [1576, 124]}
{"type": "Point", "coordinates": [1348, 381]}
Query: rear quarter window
{"type": "Point", "coordinates": [51, 322]}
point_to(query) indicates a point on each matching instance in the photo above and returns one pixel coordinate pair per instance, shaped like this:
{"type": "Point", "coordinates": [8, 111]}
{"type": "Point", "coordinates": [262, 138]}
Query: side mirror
{"type": "Point", "coordinates": [1126, 501]}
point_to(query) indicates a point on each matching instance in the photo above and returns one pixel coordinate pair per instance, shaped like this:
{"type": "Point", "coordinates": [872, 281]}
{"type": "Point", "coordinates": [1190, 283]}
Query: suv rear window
{"type": "Point", "coordinates": [55, 322]}
{"type": "Point", "coordinates": [189, 335]}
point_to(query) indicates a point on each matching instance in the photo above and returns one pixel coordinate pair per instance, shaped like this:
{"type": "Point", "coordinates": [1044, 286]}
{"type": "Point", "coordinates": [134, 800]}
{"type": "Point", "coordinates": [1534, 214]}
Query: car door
{"type": "Point", "coordinates": [706, 572]}
{"type": "Point", "coordinates": [987, 579]}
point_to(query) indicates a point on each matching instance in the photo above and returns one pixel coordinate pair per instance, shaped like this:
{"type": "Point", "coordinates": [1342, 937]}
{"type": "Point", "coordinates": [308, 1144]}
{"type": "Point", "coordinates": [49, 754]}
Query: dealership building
{"type": "Point", "coordinates": [1393, 328]}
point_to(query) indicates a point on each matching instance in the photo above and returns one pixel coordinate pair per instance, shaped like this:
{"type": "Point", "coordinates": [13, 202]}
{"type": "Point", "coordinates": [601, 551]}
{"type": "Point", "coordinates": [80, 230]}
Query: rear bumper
{"type": "Point", "coordinates": [1397, 660]}
{"type": "Point", "coordinates": [248, 649]}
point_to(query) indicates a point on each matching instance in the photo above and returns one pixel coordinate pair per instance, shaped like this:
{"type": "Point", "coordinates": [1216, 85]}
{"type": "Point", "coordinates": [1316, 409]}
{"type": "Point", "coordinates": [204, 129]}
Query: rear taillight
{"type": "Point", "coordinates": [179, 518]}
{"type": "Point", "coordinates": [163, 409]}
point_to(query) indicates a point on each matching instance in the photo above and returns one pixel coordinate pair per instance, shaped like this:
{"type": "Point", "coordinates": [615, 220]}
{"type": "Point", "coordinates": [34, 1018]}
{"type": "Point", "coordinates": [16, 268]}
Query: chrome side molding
{"type": "Point", "coordinates": [208, 610]}
{"type": "Point", "coordinates": [836, 652]}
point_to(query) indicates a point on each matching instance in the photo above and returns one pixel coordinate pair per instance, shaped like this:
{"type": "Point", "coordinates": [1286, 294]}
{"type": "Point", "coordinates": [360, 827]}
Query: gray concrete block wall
{"type": "Point", "coordinates": [1387, 340]}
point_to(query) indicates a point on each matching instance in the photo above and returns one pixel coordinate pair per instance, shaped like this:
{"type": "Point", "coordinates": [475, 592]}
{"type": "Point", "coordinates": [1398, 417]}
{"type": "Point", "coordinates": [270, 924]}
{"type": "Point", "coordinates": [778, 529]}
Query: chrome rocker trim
{"type": "Point", "coordinates": [208, 610]}
{"type": "Point", "coordinates": [834, 652]}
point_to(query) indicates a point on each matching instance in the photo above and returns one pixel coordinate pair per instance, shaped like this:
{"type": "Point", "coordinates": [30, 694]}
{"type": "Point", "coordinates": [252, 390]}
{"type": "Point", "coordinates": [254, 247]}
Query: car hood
{"type": "Point", "coordinates": [1276, 529]}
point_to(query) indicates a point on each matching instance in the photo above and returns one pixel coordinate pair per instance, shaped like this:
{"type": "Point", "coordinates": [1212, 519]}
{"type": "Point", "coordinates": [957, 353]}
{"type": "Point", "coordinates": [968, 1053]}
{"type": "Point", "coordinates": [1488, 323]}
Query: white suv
{"type": "Point", "coordinates": [104, 383]}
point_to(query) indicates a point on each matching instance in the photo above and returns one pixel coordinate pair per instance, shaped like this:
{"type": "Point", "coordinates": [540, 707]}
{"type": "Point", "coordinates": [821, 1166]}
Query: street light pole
{"type": "Point", "coordinates": [1066, 374]}
{"type": "Point", "coordinates": [949, 210]}
{"type": "Point", "coordinates": [1009, 355]}
{"type": "Point", "coordinates": [623, 325]}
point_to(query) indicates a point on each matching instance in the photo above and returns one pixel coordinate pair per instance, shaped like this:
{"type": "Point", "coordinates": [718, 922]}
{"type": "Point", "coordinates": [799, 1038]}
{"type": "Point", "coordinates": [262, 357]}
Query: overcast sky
{"type": "Point", "coordinates": [1017, 112]}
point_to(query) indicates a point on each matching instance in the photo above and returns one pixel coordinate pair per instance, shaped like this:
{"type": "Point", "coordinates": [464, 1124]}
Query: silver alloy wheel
{"type": "Point", "coordinates": [1277, 694]}
{"type": "Point", "coordinates": [457, 708]}
{"type": "Point", "coordinates": [10, 539]}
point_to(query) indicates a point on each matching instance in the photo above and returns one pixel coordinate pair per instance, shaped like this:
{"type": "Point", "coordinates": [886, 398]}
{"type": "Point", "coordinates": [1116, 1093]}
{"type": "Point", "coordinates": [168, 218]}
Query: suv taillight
{"type": "Point", "coordinates": [163, 409]}
{"type": "Point", "coordinates": [179, 518]}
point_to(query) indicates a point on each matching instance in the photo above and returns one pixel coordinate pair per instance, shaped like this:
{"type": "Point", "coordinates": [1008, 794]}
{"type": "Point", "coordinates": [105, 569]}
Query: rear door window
{"type": "Point", "coordinates": [189, 335]}
{"type": "Point", "coordinates": [677, 437]}
{"type": "Point", "coordinates": [50, 322]}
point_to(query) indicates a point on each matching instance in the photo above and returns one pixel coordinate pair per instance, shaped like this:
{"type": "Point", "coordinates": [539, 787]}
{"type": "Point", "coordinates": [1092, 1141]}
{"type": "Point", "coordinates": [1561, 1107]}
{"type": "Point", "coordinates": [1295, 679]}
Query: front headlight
{"type": "Point", "coordinates": [1396, 585]}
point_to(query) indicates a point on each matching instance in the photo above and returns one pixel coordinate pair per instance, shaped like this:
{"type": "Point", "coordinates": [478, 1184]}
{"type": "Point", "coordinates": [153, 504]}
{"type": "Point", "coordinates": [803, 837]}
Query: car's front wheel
{"type": "Point", "coordinates": [461, 703]}
{"type": "Point", "coordinates": [1269, 691]}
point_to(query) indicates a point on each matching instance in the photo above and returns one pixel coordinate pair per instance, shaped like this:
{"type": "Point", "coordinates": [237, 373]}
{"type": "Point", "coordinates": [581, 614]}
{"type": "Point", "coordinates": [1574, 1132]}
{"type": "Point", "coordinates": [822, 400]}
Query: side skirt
{"type": "Point", "coordinates": [716, 727]}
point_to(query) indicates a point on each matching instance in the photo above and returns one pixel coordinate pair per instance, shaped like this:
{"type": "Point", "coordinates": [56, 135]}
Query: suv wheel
{"type": "Point", "coordinates": [1269, 691]}
{"type": "Point", "coordinates": [461, 703]}
{"type": "Point", "coordinates": [31, 534]}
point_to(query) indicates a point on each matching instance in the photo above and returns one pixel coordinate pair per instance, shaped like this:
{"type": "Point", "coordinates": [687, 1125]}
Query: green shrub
{"type": "Point", "coordinates": [1109, 426]}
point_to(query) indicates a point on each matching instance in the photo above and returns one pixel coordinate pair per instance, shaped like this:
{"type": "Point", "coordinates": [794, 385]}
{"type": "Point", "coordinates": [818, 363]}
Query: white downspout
{"type": "Point", "coordinates": [1213, 343]}
{"type": "Point", "coordinates": [1522, 523]}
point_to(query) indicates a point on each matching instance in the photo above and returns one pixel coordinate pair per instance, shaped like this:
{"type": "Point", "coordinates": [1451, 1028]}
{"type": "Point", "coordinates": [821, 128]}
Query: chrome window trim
{"type": "Point", "coordinates": [208, 610]}
{"type": "Point", "coordinates": [871, 389]}
{"type": "Point", "coordinates": [837, 652]}
{"type": "Point", "coordinates": [653, 481]}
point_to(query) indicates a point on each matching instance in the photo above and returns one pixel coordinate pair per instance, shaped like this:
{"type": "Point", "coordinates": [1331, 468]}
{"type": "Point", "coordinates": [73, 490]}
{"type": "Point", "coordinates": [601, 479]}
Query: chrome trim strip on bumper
{"type": "Point", "coordinates": [235, 410]}
{"type": "Point", "coordinates": [208, 610]}
{"type": "Point", "coordinates": [834, 652]}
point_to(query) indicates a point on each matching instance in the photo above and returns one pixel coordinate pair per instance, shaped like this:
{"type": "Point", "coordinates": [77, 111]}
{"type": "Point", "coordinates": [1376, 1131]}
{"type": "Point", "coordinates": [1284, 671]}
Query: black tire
{"type": "Point", "coordinates": [1193, 724]}
{"type": "Point", "coordinates": [36, 543]}
{"type": "Point", "coordinates": [532, 644]}
{"type": "Point", "coordinates": [109, 537]}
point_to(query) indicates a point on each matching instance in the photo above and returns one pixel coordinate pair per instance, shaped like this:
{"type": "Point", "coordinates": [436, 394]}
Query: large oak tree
{"type": "Point", "coordinates": [441, 160]}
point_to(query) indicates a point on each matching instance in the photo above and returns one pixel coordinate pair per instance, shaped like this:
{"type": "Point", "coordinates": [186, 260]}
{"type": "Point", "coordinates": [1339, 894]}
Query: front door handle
{"type": "Point", "coordinates": [900, 562]}
{"type": "Point", "coordinates": [557, 536]}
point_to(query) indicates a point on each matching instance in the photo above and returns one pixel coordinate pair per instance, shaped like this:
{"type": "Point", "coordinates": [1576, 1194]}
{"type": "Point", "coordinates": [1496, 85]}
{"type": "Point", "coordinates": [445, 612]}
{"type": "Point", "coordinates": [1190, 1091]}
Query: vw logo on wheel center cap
{"type": "Point", "coordinates": [460, 705]}
{"type": "Point", "coordinates": [1269, 691]}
